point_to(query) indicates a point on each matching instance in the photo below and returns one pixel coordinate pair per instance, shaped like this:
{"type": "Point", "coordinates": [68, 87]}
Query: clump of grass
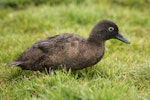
{"type": "Point", "coordinates": [20, 4]}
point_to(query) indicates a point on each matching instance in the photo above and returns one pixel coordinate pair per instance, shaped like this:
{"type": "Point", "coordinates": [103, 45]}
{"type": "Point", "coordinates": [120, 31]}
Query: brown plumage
{"type": "Point", "coordinates": [69, 51]}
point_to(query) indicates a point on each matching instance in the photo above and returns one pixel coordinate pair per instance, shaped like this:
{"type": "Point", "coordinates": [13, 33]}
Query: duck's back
{"type": "Point", "coordinates": [65, 50]}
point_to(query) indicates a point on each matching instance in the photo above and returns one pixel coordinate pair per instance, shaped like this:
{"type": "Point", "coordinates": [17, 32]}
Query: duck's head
{"type": "Point", "coordinates": [105, 30]}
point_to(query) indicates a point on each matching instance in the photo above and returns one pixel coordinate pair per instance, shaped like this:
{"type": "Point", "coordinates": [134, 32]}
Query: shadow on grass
{"type": "Point", "coordinates": [18, 74]}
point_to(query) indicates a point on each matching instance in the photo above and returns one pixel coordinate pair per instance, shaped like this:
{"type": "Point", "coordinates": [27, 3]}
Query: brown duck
{"type": "Point", "coordinates": [69, 51]}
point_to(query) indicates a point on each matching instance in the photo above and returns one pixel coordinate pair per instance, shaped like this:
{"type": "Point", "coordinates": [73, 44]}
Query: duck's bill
{"type": "Point", "coordinates": [121, 38]}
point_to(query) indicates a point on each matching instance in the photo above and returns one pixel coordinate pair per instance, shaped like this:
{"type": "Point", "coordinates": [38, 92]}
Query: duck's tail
{"type": "Point", "coordinates": [14, 63]}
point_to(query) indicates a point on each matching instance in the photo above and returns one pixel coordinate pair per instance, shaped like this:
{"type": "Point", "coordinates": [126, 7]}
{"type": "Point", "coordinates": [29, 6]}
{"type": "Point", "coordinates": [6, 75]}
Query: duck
{"type": "Point", "coordinates": [69, 51]}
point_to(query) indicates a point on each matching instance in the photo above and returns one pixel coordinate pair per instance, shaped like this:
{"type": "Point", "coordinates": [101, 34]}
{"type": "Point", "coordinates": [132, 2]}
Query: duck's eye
{"type": "Point", "coordinates": [110, 29]}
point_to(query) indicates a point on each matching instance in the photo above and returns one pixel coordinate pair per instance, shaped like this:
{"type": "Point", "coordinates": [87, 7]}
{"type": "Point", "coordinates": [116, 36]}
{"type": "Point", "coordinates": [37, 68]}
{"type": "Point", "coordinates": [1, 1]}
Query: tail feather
{"type": "Point", "coordinates": [15, 63]}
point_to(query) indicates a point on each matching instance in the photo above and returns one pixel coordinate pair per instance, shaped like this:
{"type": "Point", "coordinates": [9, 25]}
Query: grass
{"type": "Point", "coordinates": [123, 73]}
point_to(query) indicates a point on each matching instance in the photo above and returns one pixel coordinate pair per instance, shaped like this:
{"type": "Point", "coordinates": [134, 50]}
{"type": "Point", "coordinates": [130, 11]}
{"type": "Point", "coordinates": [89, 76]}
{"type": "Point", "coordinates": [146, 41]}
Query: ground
{"type": "Point", "coordinates": [123, 73]}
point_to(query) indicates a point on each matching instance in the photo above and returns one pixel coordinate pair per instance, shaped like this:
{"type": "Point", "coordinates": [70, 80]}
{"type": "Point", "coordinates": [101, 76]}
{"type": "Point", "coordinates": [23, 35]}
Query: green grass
{"type": "Point", "coordinates": [123, 73]}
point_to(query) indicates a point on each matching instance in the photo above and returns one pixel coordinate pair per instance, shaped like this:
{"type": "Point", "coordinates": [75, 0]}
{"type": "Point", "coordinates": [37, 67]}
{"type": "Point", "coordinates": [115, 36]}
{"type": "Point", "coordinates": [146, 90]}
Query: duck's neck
{"type": "Point", "coordinates": [97, 39]}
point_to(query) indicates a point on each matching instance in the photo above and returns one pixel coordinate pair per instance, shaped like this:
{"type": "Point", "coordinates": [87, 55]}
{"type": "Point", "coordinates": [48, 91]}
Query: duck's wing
{"type": "Point", "coordinates": [39, 52]}
{"type": "Point", "coordinates": [33, 53]}
{"type": "Point", "coordinates": [57, 42]}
